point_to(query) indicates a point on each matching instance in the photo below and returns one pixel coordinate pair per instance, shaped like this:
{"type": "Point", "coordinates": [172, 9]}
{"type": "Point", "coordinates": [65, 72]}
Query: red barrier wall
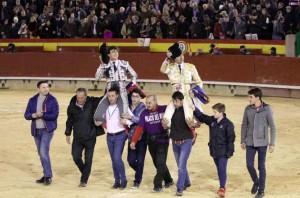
{"type": "Point", "coordinates": [226, 68]}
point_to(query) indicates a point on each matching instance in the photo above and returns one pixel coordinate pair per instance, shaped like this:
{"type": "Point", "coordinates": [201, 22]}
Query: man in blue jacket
{"type": "Point", "coordinates": [42, 109]}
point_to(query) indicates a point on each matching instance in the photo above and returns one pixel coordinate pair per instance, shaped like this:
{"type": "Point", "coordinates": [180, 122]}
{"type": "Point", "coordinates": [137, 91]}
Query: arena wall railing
{"type": "Point", "coordinates": [222, 75]}
{"type": "Point", "coordinates": [155, 45]}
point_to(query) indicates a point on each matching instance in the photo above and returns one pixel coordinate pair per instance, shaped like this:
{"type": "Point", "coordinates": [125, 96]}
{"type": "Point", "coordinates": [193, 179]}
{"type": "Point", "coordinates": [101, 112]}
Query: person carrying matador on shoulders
{"type": "Point", "coordinates": [183, 77]}
{"type": "Point", "coordinates": [115, 72]}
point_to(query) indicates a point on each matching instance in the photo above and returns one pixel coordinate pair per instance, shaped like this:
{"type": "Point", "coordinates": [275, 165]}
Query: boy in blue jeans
{"type": "Point", "coordinates": [221, 140]}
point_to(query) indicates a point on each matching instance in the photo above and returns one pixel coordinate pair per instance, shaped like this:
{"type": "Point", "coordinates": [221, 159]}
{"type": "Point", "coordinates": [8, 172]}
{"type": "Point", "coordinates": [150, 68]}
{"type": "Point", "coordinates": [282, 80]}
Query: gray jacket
{"type": "Point", "coordinates": [255, 126]}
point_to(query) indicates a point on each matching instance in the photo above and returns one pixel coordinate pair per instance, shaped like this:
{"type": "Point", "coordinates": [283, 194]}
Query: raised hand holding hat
{"type": "Point", "coordinates": [104, 58]}
{"type": "Point", "coordinates": [174, 51]}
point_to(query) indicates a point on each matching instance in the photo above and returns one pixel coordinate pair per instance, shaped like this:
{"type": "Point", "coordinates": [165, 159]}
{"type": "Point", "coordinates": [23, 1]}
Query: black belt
{"type": "Point", "coordinates": [115, 134]}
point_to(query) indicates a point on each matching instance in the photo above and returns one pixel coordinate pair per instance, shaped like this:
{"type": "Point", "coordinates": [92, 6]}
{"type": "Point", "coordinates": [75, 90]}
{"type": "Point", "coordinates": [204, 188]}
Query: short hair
{"type": "Point", "coordinates": [219, 107]}
{"type": "Point", "coordinates": [154, 97]}
{"type": "Point", "coordinates": [137, 91]}
{"type": "Point", "coordinates": [115, 89]}
{"type": "Point", "coordinates": [112, 48]}
{"type": "Point", "coordinates": [41, 82]}
{"type": "Point", "coordinates": [177, 95]}
{"type": "Point", "coordinates": [81, 89]}
{"type": "Point", "coordinates": [257, 92]}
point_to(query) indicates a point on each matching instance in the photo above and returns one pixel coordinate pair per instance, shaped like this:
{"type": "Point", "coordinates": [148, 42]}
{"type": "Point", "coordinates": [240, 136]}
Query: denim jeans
{"type": "Point", "coordinates": [250, 155]}
{"type": "Point", "coordinates": [136, 159]}
{"type": "Point", "coordinates": [159, 153]}
{"type": "Point", "coordinates": [86, 166]}
{"type": "Point", "coordinates": [182, 153]}
{"type": "Point", "coordinates": [221, 164]}
{"type": "Point", "coordinates": [42, 141]}
{"type": "Point", "coordinates": [115, 145]}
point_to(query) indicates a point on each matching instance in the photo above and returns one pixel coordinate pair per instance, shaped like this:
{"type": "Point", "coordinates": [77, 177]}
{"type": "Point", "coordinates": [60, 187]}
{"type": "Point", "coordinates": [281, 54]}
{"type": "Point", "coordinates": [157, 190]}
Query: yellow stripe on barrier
{"type": "Point", "coordinates": [154, 47]}
{"type": "Point", "coordinates": [237, 46]}
{"type": "Point", "coordinates": [163, 47]}
{"type": "Point", "coordinates": [135, 44]}
{"type": "Point", "coordinates": [159, 47]}
{"type": "Point", "coordinates": [23, 44]}
{"type": "Point", "coordinates": [280, 49]}
{"type": "Point", "coordinates": [50, 47]}
{"type": "Point", "coordinates": [95, 44]}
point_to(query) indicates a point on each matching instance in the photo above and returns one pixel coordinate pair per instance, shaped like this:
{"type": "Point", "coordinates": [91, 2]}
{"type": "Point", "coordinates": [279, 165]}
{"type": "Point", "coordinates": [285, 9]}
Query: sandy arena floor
{"type": "Point", "coordinates": [20, 165]}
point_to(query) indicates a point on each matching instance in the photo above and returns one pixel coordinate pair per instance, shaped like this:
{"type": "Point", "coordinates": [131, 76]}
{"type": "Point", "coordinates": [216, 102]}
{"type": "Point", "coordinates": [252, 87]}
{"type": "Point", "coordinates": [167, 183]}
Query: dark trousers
{"type": "Point", "coordinates": [221, 164]}
{"type": "Point", "coordinates": [250, 156]}
{"type": "Point", "coordinates": [136, 159]}
{"type": "Point", "coordinates": [159, 153]}
{"type": "Point", "coordinates": [86, 166]}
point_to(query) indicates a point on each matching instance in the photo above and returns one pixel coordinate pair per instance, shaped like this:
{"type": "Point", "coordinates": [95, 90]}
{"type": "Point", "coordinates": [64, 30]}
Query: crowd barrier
{"type": "Point", "coordinates": [155, 45]}
{"type": "Point", "coordinates": [226, 75]}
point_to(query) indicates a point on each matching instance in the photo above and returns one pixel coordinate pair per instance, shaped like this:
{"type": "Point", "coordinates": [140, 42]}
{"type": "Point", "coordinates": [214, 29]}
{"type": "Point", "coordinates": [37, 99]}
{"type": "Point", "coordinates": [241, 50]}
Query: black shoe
{"type": "Point", "coordinates": [116, 185]}
{"type": "Point", "coordinates": [48, 180]}
{"type": "Point", "coordinates": [82, 184]}
{"type": "Point", "coordinates": [123, 185]}
{"type": "Point", "coordinates": [254, 188]}
{"type": "Point", "coordinates": [186, 186]}
{"type": "Point", "coordinates": [179, 192]}
{"type": "Point", "coordinates": [157, 189]}
{"type": "Point", "coordinates": [260, 195]}
{"type": "Point", "coordinates": [167, 185]}
{"type": "Point", "coordinates": [135, 185]}
{"type": "Point", "coordinates": [40, 181]}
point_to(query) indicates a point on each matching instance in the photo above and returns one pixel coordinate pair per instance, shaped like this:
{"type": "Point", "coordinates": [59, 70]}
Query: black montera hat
{"type": "Point", "coordinates": [175, 50]}
{"type": "Point", "coordinates": [273, 49]}
{"type": "Point", "coordinates": [103, 53]}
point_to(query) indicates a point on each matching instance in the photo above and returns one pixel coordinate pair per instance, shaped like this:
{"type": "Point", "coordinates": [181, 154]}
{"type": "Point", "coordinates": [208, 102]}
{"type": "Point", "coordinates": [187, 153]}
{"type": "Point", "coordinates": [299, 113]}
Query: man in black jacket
{"type": "Point", "coordinates": [80, 119]}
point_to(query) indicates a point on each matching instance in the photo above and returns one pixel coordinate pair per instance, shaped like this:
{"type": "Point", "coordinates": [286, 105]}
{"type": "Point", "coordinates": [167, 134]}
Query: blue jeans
{"type": "Point", "coordinates": [250, 155]}
{"type": "Point", "coordinates": [115, 145]}
{"type": "Point", "coordinates": [182, 153]}
{"type": "Point", "coordinates": [42, 142]}
{"type": "Point", "coordinates": [221, 164]}
{"type": "Point", "coordinates": [136, 159]}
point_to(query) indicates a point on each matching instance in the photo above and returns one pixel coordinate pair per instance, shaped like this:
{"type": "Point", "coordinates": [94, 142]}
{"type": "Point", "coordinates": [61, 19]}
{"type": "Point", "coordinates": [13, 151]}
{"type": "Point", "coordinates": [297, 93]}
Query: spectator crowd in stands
{"type": "Point", "coordinates": [194, 19]}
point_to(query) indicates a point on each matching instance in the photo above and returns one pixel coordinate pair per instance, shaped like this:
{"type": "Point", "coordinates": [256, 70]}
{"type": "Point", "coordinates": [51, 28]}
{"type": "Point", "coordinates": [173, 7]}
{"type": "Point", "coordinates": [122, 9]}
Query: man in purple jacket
{"type": "Point", "coordinates": [157, 140]}
{"type": "Point", "coordinates": [42, 110]}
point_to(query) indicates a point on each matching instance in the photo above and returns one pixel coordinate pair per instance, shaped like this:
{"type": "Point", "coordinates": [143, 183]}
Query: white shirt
{"type": "Point", "coordinates": [94, 29]}
{"type": "Point", "coordinates": [113, 123]}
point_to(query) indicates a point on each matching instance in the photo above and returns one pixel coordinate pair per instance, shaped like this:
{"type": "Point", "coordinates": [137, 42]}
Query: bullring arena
{"type": "Point", "coordinates": [20, 165]}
